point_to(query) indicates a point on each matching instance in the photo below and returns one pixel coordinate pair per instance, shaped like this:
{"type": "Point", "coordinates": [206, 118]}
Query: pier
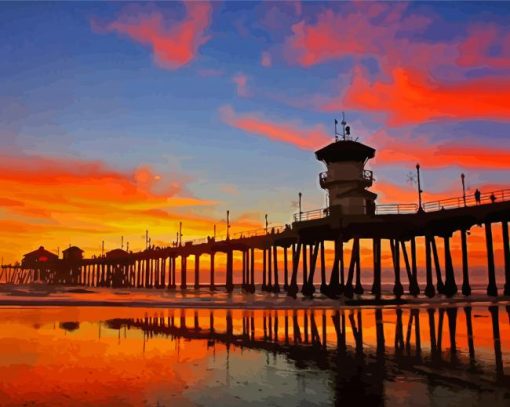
{"type": "Point", "coordinates": [294, 256]}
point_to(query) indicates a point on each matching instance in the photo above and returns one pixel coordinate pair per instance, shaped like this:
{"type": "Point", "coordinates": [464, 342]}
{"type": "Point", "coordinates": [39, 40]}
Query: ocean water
{"type": "Point", "coordinates": [435, 354]}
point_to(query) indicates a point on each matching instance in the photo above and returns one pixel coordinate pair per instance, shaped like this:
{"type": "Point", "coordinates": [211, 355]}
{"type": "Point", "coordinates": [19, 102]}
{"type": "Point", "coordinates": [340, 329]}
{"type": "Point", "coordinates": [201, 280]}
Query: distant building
{"type": "Point", "coordinates": [116, 254]}
{"type": "Point", "coordinates": [39, 258]}
{"type": "Point", "coordinates": [72, 253]}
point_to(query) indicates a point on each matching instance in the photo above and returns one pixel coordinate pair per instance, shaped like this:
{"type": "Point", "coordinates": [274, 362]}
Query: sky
{"type": "Point", "coordinates": [117, 118]}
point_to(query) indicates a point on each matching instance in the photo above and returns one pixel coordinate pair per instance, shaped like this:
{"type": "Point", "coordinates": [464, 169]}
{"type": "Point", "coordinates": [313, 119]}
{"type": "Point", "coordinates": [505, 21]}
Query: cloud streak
{"type": "Point", "coordinates": [411, 97]}
{"type": "Point", "coordinates": [286, 132]}
{"type": "Point", "coordinates": [469, 155]}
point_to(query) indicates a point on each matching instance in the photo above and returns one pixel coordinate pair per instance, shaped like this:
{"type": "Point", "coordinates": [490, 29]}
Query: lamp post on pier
{"type": "Point", "coordinates": [462, 177]}
{"type": "Point", "coordinates": [228, 225]}
{"type": "Point", "coordinates": [420, 207]}
{"type": "Point", "coordinates": [265, 216]}
{"type": "Point", "coordinates": [300, 195]}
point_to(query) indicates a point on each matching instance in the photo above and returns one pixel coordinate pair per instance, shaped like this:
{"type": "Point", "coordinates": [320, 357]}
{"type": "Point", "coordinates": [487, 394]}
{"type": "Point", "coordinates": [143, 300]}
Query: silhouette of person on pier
{"type": "Point", "coordinates": [493, 198]}
{"type": "Point", "coordinates": [477, 196]}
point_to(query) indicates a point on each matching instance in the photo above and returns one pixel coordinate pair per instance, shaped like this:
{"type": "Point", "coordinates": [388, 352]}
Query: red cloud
{"type": "Point", "coordinates": [174, 45]}
{"type": "Point", "coordinates": [292, 133]}
{"type": "Point", "coordinates": [466, 155]}
{"type": "Point", "coordinates": [411, 97]}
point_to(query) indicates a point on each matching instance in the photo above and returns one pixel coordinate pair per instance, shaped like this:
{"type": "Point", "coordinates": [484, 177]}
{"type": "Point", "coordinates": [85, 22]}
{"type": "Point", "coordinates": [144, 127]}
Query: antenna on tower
{"type": "Point", "coordinates": [343, 125]}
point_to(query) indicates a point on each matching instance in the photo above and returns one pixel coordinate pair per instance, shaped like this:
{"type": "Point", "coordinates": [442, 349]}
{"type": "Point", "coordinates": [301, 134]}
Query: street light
{"type": "Point", "coordinates": [462, 177]}
{"type": "Point", "coordinates": [228, 224]}
{"type": "Point", "coordinates": [420, 208]}
{"type": "Point", "coordinates": [265, 216]}
{"type": "Point", "coordinates": [300, 195]}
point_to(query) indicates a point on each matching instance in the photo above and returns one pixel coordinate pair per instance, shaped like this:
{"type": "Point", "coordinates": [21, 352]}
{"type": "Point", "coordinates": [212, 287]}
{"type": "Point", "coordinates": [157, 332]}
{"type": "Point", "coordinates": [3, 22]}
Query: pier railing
{"type": "Point", "coordinates": [271, 229]}
{"type": "Point", "coordinates": [311, 215]}
{"type": "Point", "coordinates": [391, 209]}
{"type": "Point", "coordinates": [501, 195]}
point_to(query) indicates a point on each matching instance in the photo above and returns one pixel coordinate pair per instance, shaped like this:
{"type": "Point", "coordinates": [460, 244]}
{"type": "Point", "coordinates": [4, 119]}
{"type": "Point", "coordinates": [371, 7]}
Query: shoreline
{"type": "Point", "coordinates": [63, 296]}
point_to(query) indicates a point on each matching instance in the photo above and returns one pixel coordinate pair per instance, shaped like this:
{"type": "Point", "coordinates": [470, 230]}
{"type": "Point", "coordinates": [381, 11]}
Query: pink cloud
{"type": "Point", "coordinates": [287, 132]}
{"type": "Point", "coordinates": [265, 59]}
{"type": "Point", "coordinates": [474, 50]}
{"type": "Point", "coordinates": [241, 81]}
{"type": "Point", "coordinates": [174, 44]}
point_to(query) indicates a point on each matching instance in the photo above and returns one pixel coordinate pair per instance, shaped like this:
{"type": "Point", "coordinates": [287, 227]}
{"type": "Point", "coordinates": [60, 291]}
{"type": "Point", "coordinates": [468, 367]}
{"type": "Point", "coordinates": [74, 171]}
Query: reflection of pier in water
{"type": "Point", "coordinates": [334, 340]}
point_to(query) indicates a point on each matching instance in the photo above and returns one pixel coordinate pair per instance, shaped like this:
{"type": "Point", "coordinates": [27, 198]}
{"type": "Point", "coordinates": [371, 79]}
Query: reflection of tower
{"type": "Point", "coordinates": [346, 178]}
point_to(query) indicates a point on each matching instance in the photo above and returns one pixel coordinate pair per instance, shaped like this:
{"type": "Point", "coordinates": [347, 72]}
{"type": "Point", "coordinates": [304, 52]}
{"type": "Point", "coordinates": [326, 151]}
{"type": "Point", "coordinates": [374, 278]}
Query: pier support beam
{"type": "Point", "coordinates": [430, 291]}
{"type": "Point", "coordinates": [398, 289]}
{"type": "Point", "coordinates": [376, 286]}
{"type": "Point", "coordinates": [296, 253]}
{"type": "Point", "coordinates": [439, 280]}
{"type": "Point", "coordinates": [336, 285]}
{"type": "Point", "coordinates": [324, 285]}
{"type": "Point", "coordinates": [308, 288]}
{"type": "Point", "coordinates": [450, 288]}
{"type": "Point", "coordinates": [411, 272]}
{"type": "Point", "coordinates": [184, 284]}
{"type": "Point", "coordinates": [276, 286]}
{"type": "Point", "coordinates": [358, 288]}
{"type": "Point", "coordinates": [197, 271]}
{"type": "Point", "coordinates": [252, 270]}
{"type": "Point", "coordinates": [305, 265]}
{"type": "Point", "coordinates": [415, 289]}
{"type": "Point", "coordinates": [171, 277]}
{"type": "Point", "coordinates": [163, 272]}
{"type": "Point", "coordinates": [506, 254]}
{"type": "Point", "coordinates": [492, 288]}
{"type": "Point", "coordinates": [285, 270]}
{"type": "Point", "coordinates": [244, 283]}
{"type": "Point", "coordinates": [211, 270]}
{"type": "Point", "coordinates": [349, 290]}
{"type": "Point", "coordinates": [230, 271]}
{"type": "Point", "coordinates": [269, 268]}
{"type": "Point", "coordinates": [466, 288]}
{"type": "Point", "coordinates": [264, 270]}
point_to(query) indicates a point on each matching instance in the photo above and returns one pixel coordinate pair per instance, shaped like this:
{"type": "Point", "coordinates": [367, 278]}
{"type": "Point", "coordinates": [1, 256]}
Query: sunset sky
{"type": "Point", "coordinates": [120, 117]}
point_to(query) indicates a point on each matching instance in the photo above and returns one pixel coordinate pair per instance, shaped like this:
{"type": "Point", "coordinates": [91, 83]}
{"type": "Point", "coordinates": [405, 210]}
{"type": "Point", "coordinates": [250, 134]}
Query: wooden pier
{"type": "Point", "coordinates": [292, 255]}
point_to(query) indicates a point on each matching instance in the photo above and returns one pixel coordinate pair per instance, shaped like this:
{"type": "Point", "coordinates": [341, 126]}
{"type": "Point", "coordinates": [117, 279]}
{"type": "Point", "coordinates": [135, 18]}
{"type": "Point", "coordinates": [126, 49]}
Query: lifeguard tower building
{"type": "Point", "coordinates": [346, 178]}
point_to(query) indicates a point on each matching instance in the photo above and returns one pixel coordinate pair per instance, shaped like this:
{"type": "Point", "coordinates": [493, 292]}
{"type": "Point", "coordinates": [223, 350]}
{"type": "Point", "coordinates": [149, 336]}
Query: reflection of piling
{"type": "Point", "coordinates": [494, 311]}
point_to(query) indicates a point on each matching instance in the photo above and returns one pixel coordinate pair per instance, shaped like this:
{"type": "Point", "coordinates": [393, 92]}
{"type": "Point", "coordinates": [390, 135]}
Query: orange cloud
{"type": "Point", "coordinates": [443, 154]}
{"type": "Point", "coordinates": [411, 97]}
{"type": "Point", "coordinates": [174, 45]}
{"type": "Point", "coordinates": [55, 202]}
{"type": "Point", "coordinates": [288, 132]}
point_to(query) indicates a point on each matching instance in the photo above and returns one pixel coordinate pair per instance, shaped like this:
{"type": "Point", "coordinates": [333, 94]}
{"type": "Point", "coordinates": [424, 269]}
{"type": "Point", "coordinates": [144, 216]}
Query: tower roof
{"type": "Point", "coordinates": [41, 252]}
{"type": "Point", "coordinates": [345, 150]}
{"type": "Point", "coordinates": [72, 249]}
